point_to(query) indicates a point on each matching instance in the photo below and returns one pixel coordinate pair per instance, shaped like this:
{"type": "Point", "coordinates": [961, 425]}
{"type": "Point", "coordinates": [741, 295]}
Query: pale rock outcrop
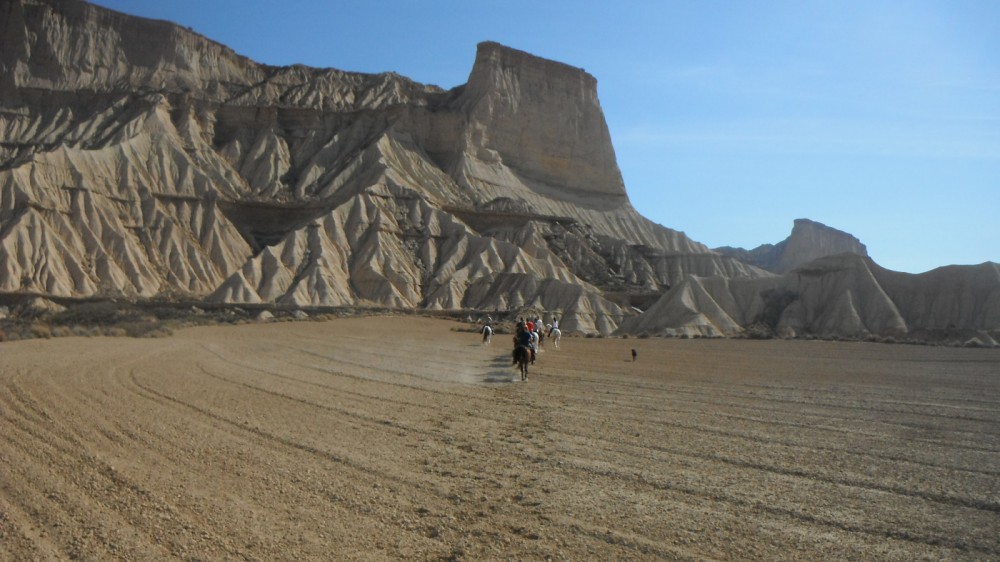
{"type": "Point", "coordinates": [112, 220]}
{"type": "Point", "coordinates": [388, 248]}
{"type": "Point", "coordinates": [808, 241]}
{"type": "Point", "coordinates": [954, 296]}
{"type": "Point", "coordinates": [690, 310]}
{"type": "Point", "coordinates": [839, 295]}
{"type": "Point", "coordinates": [836, 296]}
{"type": "Point", "coordinates": [509, 100]}
{"type": "Point", "coordinates": [140, 159]}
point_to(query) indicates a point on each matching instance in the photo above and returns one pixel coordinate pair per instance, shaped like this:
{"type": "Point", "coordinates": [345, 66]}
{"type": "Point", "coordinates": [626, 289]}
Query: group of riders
{"type": "Point", "coordinates": [529, 333]}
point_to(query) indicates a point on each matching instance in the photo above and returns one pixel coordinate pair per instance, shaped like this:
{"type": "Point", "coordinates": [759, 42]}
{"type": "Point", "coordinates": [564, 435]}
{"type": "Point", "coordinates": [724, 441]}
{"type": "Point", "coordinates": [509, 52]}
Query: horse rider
{"type": "Point", "coordinates": [522, 337]}
{"type": "Point", "coordinates": [555, 324]}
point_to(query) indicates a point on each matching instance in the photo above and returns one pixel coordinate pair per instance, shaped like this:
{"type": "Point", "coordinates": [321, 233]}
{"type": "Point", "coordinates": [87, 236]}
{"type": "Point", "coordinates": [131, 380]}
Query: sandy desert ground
{"type": "Point", "coordinates": [402, 438]}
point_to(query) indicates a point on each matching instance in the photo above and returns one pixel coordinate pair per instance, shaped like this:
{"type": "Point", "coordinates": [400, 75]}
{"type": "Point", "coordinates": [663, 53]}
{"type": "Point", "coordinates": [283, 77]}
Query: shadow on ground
{"type": "Point", "coordinates": [502, 372]}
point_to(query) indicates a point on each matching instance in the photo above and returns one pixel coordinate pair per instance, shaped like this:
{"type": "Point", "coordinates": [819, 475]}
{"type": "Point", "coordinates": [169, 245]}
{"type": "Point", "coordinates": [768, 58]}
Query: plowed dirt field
{"type": "Point", "coordinates": [401, 438]}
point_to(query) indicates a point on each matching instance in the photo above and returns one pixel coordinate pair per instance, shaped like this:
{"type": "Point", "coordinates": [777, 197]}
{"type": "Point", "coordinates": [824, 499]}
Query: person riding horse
{"type": "Point", "coordinates": [522, 338]}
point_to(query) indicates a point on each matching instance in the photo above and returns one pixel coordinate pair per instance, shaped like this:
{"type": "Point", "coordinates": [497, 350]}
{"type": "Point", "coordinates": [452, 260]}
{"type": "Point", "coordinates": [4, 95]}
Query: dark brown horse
{"type": "Point", "coordinates": [522, 355]}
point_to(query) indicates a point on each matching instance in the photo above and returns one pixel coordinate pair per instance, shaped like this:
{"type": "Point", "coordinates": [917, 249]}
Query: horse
{"type": "Point", "coordinates": [522, 355]}
{"type": "Point", "coordinates": [487, 335]}
{"type": "Point", "coordinates": [535, 338]}
{"type": "Point", "coordinates": [555, 335]}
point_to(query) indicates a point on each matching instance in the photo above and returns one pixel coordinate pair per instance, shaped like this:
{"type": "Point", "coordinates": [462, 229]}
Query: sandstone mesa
{"type": "Point", "coordinates": [141, 160]}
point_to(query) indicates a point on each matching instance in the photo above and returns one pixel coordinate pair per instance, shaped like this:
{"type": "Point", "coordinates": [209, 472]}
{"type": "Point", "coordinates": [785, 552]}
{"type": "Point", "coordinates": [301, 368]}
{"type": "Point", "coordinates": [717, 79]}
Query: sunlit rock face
{"type": "Point", "coordinates": [808, 241]}
{"type": "Point", "coordinates": [846, 295]}
{"type": "Point", "coordinates": [139, 159]}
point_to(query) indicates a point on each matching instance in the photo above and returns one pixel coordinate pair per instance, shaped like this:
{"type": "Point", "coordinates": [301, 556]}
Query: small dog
{"type": "Point", "coordinates": [634, 355]}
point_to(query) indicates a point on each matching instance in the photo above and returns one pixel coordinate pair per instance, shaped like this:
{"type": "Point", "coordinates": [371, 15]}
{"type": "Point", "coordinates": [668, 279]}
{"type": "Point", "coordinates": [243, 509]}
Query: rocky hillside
{"type": "Point", "coordinates": [846, 295]}
{"type": "Point", "coordinates": [808, 241]}
{"type": "Point", "coordinates": [141, 160]}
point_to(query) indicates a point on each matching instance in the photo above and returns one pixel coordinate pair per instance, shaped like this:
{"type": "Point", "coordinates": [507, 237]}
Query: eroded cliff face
{"type": "Point", "coordinates": [510, 98]}
{"type": "Point", "coordinates": [846, 295]}
{"type": "Point", "coordinates": [140, 159]}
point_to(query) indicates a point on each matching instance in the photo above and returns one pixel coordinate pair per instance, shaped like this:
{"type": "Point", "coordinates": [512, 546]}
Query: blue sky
{"type": "Point", "coordinates": [729, 119]}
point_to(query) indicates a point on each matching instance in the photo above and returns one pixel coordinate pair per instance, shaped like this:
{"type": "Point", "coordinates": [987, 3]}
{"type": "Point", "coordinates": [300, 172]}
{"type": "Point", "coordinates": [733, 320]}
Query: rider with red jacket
{"type": "Point", "coordinates": [523, 338]}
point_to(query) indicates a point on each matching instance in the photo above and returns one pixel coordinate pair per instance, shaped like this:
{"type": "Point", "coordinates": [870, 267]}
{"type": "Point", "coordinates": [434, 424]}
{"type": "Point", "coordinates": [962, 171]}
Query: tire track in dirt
{"type": "Point", "coordinates": [267, 439]}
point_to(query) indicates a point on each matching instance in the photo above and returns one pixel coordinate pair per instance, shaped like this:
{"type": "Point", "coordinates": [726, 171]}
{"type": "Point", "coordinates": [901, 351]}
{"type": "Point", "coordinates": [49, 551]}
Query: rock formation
{"type": "Point", "coordinates": [141, 160]}
{"type": "Point", "coordinates": [846, 295]}
{"type": "Point", "coordinates": [808, 241]}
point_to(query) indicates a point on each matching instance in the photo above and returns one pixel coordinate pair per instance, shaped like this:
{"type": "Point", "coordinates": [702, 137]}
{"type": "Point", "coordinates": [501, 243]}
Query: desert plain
{"type": "Point", "coordinates": [400, 437]}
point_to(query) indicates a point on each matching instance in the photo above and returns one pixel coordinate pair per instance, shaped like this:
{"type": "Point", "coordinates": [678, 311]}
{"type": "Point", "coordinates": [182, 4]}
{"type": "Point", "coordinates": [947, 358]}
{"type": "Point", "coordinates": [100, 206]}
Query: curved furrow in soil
{"type": "Point", "coordinates": [434, 358]}
{"type": "Point", "coordinates": [924, 478]}
{"type": "Point", "coordinates": [402, 353]}
{"type": "Point", "coordinates": [357, 488]}
{"type": "Point", "coordinates": [958, 437]}
{"type": "Point", "coordinates": [809, 419]}
{"type": "Point", "coordinates": [980, 404]}
{"type": "Point", "coordinates": [377, 422]}
{"type": "Point", "coordinates": [362, 472]}
{"type": "Point", "coordinates": [742, 463]}
{"type": "Point", "coordinates": [177, 521]}
{"type": "Point", "coordinates": [307, 439]}
{"type": "Point", "coordinates": [973, 435]}
{"type": "Point", "coordinates": [852, 511]}
{"type": "Point", "coordinates": [367, 468]}
{"type": "Point", "coordinates": [65, 499]}
{"type": "Point", "coordinates": [872, 441]}
{"type": "Point", "coordinates": [988, 422]}
{"type": "Point", "coordinates": [74, 484]}
{"type": "Point", "coordinates": [923, 485]}
{"type": "Point", "coordinates": [416, 384]}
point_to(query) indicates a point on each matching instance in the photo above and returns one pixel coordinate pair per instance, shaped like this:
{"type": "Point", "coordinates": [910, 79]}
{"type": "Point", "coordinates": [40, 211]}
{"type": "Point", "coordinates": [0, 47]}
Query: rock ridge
{"type": "Point", "coordinates": [808, 241]}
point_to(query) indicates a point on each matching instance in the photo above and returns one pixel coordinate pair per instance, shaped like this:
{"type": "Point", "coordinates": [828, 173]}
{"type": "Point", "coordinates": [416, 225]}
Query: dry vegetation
{"type": "Point", "coordinates": [389, 437]}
